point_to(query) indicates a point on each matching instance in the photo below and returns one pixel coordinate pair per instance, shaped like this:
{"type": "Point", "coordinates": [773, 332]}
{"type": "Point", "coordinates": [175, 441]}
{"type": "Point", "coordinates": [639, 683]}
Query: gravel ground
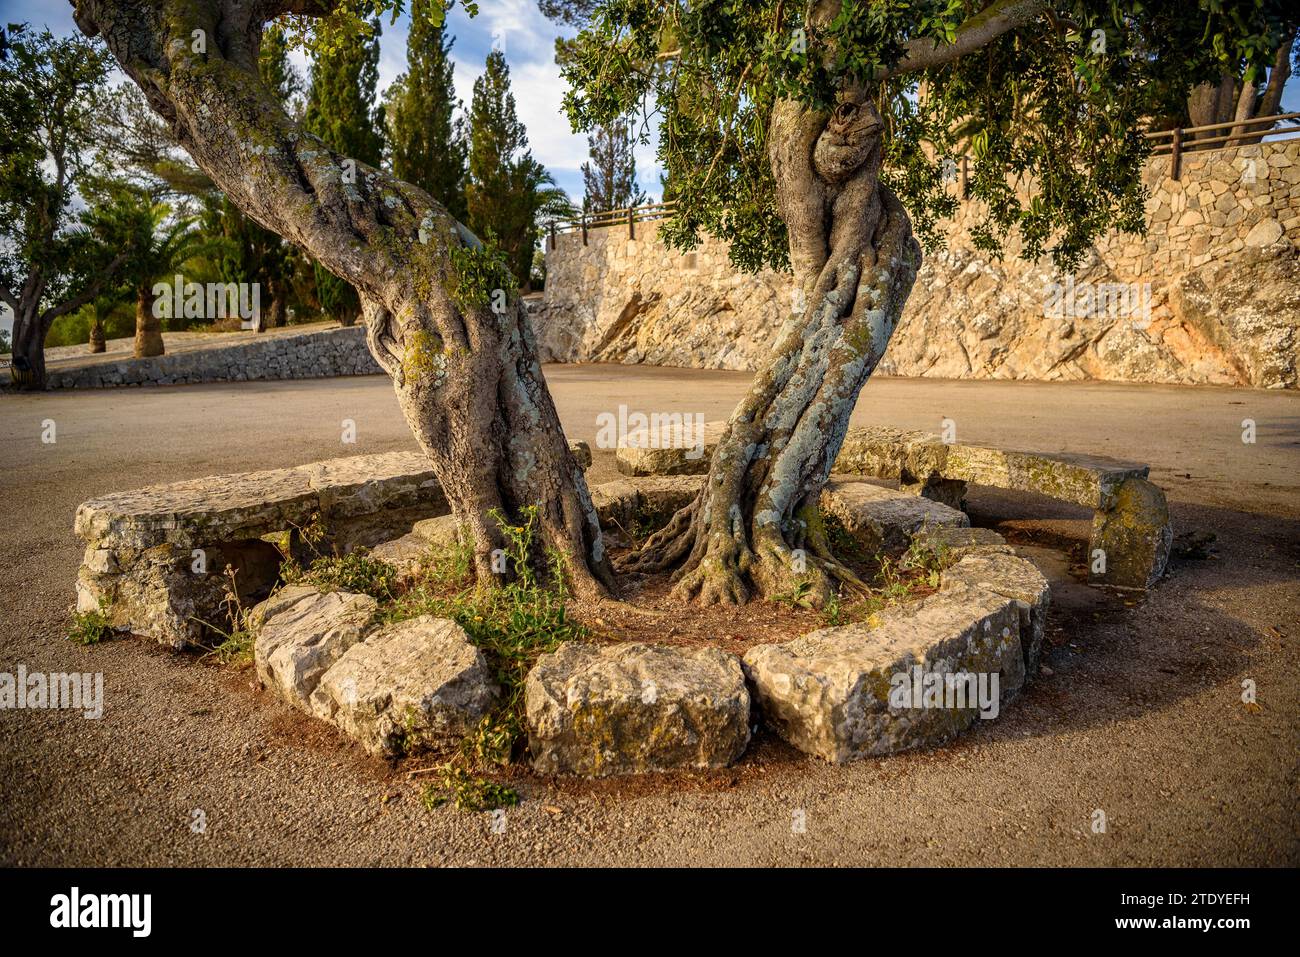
{"type": "Point", "coordinates": [1141, 716]}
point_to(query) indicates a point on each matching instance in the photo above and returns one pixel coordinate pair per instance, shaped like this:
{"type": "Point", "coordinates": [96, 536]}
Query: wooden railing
{"type": "Point", "coordinates": [611, 217]}
{"type": "Point", "coordinates": [1174, 143]}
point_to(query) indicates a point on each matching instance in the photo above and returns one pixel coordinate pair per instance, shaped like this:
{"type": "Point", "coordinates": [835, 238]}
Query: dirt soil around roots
{"type": "Point", "coordinates": [649, 612]}
{"type": "Point", "coordinates": [1140, 713]}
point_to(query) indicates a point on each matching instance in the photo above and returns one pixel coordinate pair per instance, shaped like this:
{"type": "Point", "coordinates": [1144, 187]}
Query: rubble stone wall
{"type": "Point", "coordinates": [1211, 295]}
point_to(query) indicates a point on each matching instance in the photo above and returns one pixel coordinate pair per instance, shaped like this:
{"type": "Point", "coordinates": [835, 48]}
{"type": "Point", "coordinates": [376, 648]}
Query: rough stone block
{"type": "Point", "coordinates": [408, 686]}
{"type": "Point", "coordinates": [406, 553]}
{"type": "Point", "coordinates": [884, 519]}
{"type": "Point", "coordinates": [661, 496]}
{"type": "Point", "coordinates": [616, 503]}
{"type": "Point", "coordinates": [628, 709]}
{"type": "Point", "coordinates": [1135, 536]}
{"type": "Point", "coordinates": [954, 543]}
{"type": "Point", "coordinates": [1014, 578]}
{"type": "Point", "coordinates": [302, 632]}
{"type": "Point", "coordinates": [670, 449]}
{"type": "Point", "coordinates": [910, 457]}
{"type": "Point", "coordinates": [829, 693]}
{"type": "Point", "coordinates": [158, 593]}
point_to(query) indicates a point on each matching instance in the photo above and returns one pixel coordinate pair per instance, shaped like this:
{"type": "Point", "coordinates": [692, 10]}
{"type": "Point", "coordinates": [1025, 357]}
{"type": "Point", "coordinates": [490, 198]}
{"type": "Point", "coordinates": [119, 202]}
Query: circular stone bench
{"type": "Point", "coordinates": [155, 557]}
{"type": "Point", "coordinates": [1131, 534]}
{"type": "Point", "coordinates": [859, 690]}
{"type": "Point", "coordinates": [603, 710]}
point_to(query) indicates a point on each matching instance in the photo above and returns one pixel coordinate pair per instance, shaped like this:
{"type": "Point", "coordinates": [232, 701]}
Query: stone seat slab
{"type": "Point", "coordinates": [1131, 535]}
{"type": "Point", "coordinates": [198, 511]}
{"type": "Point", "coordinates": [829, 692]}
{"type": "Point", "coordinates": [604, 710]}
{"type": "Point", "coordinates": [884, 519]}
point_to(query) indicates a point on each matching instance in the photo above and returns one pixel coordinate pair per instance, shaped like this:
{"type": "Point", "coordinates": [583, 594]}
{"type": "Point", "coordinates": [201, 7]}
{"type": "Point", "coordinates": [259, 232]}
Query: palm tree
{"type": "Point", "coordinates": [157, 243]}
{"type": "Point", "coordinates": [170, 243]}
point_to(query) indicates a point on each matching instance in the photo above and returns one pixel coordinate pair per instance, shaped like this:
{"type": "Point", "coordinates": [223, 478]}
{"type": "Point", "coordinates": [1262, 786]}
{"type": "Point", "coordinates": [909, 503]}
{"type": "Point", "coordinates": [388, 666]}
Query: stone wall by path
{"type": "Point", "coordinates": [310, 355]}
{"type": "Point", "coordinates": [1222, 307]}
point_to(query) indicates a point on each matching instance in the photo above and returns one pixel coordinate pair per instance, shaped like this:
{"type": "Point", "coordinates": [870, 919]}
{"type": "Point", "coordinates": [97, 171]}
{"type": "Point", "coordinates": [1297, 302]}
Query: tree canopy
{"type": "Point", "coordinates": [1053, 95]}
{"type": "Point", "coordinates": [51, 262]}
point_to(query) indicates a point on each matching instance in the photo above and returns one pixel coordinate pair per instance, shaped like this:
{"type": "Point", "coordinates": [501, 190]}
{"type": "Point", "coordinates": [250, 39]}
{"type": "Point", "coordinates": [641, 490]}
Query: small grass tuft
{"type": "Point", "coordinates": [236, 645]}
{"type": "Point", "coordinates": [468, 792]}
{"type": "Point", "coordinates": [91, 627]}
{"type": "Point", "coordinates": [514, 624]}
{"type": "Point", "coordinates": [355, 572]}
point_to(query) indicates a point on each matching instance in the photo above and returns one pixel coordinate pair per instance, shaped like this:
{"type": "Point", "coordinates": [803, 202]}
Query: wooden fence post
{"type": "Point", "coordinates": [584, 227]}
{"type": "Point", "coordinates": [631, 223]}
{"type": "Point", "coordinates": [1176, 153]}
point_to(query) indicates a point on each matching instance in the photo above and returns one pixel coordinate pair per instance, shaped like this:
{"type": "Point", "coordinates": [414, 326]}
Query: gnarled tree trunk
{"type": "Point", "coordinates": [754, 527]}
{"type": "Point", "coordinates": [467, 379]}
{"type": "Point", "coordinates": [27, 361]}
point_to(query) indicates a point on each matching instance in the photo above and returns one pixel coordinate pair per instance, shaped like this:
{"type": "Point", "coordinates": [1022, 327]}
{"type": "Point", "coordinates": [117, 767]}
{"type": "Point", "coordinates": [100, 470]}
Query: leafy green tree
{"type": "Point", "coordinates": [507, 187]}
{"type": "Point", "coordinates": [136, 145]}
{"type": "Point", "coordinates": [817, 138]}
{"type": "Point", "coordinates": [427, 140]}
{"type": "Point", "coordinates": [340, 110]}
{"type": "Point", "coordinates": [609, 177]}
{"type": "Point", "coordinates": [49, 264]}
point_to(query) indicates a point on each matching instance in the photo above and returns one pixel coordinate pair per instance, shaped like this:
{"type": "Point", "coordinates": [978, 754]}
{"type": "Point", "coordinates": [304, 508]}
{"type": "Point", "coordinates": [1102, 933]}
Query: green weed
{"type": "Point", "coordinates": [91, 627]}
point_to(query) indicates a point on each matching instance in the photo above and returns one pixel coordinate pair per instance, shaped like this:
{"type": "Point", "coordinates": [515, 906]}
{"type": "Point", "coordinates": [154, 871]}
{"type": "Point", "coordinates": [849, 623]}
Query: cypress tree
{"type": "Point", "coordinates": [506, 185]}
{"type": "Point", "coordinates": [341, 111]}
{"type": "Point", "coordinates": [609, 178]}
{"type": "Point", "coordinates": [426, 138]}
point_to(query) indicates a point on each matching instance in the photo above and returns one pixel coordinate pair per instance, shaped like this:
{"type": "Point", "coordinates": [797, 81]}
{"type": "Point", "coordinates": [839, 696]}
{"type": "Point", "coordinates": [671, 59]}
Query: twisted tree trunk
{"type": "Point", "coordinates": [467, 379]}
{"type": "Point", "coordinates": [755, 527]}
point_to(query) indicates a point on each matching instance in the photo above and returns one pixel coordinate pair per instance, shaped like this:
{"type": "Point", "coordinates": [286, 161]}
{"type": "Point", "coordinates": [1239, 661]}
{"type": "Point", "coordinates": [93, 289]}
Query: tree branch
{"type": "Point", "coordinates": [8, 298]}
{"type": "Point", "coordinates": [979, 31]}
{"type": "Point", "coordinates": [87, 294]}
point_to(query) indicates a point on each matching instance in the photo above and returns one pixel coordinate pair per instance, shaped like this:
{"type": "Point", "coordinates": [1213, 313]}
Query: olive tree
{"type": "Point", "coordinates": [440, 315]}
{"type": "Point", "coordinates": [815, 137]}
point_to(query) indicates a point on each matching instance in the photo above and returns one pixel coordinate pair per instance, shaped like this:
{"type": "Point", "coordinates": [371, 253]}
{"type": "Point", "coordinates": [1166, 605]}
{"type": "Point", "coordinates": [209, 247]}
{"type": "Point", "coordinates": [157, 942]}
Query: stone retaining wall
{"type": "Point", "coordinates": [311, 355]}
{"type": "Point", "coordinates": [1220, 257]}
